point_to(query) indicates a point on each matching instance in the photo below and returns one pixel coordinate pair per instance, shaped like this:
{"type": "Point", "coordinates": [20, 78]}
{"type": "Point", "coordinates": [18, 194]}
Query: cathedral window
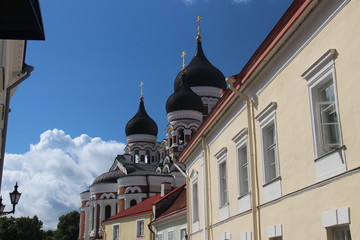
{"type": "Point", "coordinates": [181, 136]}
{"type": "Point", "coordinates": [107, 211]}
{"type": "Point", "coordinates": [133, 202]}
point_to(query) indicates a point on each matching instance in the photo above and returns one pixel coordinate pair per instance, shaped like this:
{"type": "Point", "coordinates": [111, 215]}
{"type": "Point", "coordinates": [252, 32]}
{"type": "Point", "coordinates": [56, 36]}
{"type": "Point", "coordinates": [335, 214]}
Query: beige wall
{"type": "Point", "coordinates": [127, 228]}
{"type": "Point", "coordinates": [300, 214]}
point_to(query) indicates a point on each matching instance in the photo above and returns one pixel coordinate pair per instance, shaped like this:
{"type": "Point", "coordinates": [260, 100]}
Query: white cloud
{"type": "Point", "coordinates": [53, 173]}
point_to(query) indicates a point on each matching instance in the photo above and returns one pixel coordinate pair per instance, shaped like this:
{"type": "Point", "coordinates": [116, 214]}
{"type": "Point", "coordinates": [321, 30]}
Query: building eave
{"type": "Point", "coordinates": [269, 47]}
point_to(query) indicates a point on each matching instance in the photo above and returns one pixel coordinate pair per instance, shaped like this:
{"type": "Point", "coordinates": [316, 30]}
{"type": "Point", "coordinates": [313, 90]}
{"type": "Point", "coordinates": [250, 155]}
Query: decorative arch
{"type": "Point", "coordinates": [107, 196]}
{"type": "Point", "coordinates": [133, 190]}
{"type": "Point", "coordinates": [166, 169]}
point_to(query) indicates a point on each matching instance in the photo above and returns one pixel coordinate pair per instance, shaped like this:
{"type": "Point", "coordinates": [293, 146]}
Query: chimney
{"type": "Point", "coordinates": [165, 188]}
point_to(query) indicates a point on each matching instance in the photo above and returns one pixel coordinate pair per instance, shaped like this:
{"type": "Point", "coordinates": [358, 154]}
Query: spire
{"type": "Point", "coordinates": [198, 37]}
{"type": "Point", "coordinates": [141, 90]}
{"type": "Point", "coordinates": [183, 59]}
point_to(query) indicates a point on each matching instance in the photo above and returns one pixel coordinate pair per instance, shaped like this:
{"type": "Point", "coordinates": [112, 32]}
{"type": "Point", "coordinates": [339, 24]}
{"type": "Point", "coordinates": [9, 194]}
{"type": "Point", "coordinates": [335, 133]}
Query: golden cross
{"type": "Point", "coordinates": [198, 21]}
{"type": "Point", "coordinates": [141, 88]}
{"type": "Point", "coordinates": [183, 59]}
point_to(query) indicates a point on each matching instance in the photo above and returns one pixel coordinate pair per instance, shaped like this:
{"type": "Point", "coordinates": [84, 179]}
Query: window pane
{"type": "Point", "coordinates": [223, 184]}
{"type": "Point", "coordinates": [243, 171]}
{"type": "Point", "coordinates": [171, 235]}
{"type": "Point", "coordinates": [195, 202]}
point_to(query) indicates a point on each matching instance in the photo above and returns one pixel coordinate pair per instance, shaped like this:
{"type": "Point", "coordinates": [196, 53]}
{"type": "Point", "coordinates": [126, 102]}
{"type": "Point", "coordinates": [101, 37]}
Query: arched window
{"type": "Point", "coordinates": [181, 136]}
{"type": "Point", "coordinates": [147, 156]}
{"type": "Point", "coordinates": [107, 211]}
{"type": "Point", "coordinates": [137, 156]}
{"type": "Point", "coordinates": [133, 202]}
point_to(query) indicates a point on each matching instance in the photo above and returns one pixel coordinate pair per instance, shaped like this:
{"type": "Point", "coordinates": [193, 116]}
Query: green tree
{"type": "Point", "coordinates": [23, 228]}
{"type": "Point", "coordinates": [68, 226]}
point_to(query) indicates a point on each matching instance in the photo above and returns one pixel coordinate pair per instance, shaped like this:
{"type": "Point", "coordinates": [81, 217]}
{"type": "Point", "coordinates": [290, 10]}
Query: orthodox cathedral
{"type": "Point", "coordinates": [149, 167]}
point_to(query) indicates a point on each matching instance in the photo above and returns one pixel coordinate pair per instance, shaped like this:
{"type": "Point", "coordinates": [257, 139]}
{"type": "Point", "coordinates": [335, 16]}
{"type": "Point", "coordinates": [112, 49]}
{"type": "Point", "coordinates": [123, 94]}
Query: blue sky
{"type": "Point", "coordinates": [85, 86]}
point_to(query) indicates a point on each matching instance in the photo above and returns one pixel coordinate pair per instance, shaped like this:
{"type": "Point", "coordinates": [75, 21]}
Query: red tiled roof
{"type": "Point", "coordinates": [170, 193]}
{"type": "Point", "coordinates": [140, 208]}
{"type": "Point", "coordinates": [179, 205]}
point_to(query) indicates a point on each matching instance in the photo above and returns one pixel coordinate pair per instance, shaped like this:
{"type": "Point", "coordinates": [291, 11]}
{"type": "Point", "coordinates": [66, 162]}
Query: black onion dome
{"type": "Point", "coordinates": [200, 72]}
{"type": "Point", "coordinates": [141, 123]}
{"type": "Point", "coordinates": [184, 98]}
{"type": "Point", "coordinates": [109, 177]}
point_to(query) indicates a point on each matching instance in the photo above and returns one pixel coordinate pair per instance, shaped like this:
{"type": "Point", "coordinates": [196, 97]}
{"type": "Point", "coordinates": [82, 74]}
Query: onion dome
{"type": "Point", "coordinates": [184, 98]}
{"type": "Point", "coordinates": [141, 123]}
{"type": "Point", "coordinates": [109, 177]}
{"type": "Point", "coordinates": [200, 72]}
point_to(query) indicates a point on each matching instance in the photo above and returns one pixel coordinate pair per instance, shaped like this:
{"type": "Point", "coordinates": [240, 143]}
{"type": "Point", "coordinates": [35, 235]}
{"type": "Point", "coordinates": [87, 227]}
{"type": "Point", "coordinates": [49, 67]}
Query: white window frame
{"type": "Point", "coordinates": [320, 74]}
{"type": "Point", "coordinates": [114, 226]}
{"type": "Point", "coordinates": [170, 233]}
{"type": "Point", "coordinates": [267, 119]}
{"type": "Point", "coordinates": [160, 236]}
{"type": "Point", "coordinates": [241, 142]}
{"type": "Point", "coordinates": [140, 233]}
{"type": "Point", "coordinates": [329, 158]}
{"type": "Point", "coordinates": [181, 231]}
{"type": "Point", "coordinates": [223, 178]}
{"type": "Point", "coordinates": [195, 196]}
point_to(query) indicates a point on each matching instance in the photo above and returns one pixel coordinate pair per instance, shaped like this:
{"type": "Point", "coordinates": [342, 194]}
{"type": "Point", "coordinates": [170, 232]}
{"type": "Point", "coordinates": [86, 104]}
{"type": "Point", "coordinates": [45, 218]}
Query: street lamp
{"type": "Point", "coordinates": [14, 198]}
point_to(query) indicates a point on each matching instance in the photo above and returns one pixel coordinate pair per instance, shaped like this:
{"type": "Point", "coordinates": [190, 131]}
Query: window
{"type": "Point", "coordinates": [271, 166]}
{"type": "Point", "coordinates": [243, 170]}
{"type": "Point", "coordinates": [133, 202]}
{"type": "Point", "coordinates": [140, 228]}
{"type": "Point", "coordinates": [270, 153]}
{"type": "Point", "coordinates": [183, 234]}
{"type": "Point", "coordinates": [107, 211]}
{"type": "Point", "coordinates": [160, 236]}
{"type": "Point", "coordinates": [326, 131]}
{"type": "Point", "coordinates": [322, 91]}
{"type": "Point", "coordinates": [342, 233]}
{"type": "Point", "coordinates": [181, 136]}
{"type": "Point", "coordinates": [116, 232]}
{"type": "Point", "coordinates": [195, 201]}
{"type": "Point", "coordinates": [170, 235]}
{"type": "Point", "coordinates": [223, 184]}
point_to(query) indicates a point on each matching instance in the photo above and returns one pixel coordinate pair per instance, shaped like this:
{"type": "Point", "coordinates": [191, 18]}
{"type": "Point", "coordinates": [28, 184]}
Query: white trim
{"type": "Point", "coordinates": [141, 138]}
{"type": "Point", "coordinates": [274, 231]}
{"type": "Point", "coordinates": [137, 233]}
{"type": "Point", "coordinates": [336, 217]}
{"type": "Point", "coordinates": [184, 114]}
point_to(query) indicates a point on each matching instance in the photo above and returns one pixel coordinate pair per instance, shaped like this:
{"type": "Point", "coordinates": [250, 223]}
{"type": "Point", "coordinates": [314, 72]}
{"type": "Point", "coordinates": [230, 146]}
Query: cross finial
{"type": "Point", "coordinates": [183, 59]}
{"type": "Point", "coordinates": [198, 21]}
{"type": "Point", "coordinates": [141, 89]}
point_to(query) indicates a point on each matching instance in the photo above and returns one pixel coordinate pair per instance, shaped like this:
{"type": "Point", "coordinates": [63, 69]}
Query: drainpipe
{"type": "Point", "coordinates": [207, 208]}
{"type": "Point", "coordinates": [188, 218]}
{"type": "Point", "coordinates": [253, 157]}
{"type": "Point", "coordinates": [26, 71]}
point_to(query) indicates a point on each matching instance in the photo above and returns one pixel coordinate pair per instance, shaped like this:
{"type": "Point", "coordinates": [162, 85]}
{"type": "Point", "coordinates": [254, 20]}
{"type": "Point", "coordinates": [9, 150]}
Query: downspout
{"type": "Point", "coordinates": [148, 185]}
{"type": "Point", "coordinates": [206, 189]}
{"type": "Point", "coordinates": [27, 69]}
{"type": "Point", "coordinates": [188, 217]}
{"type": "Point", "coordinates": [253, 157]}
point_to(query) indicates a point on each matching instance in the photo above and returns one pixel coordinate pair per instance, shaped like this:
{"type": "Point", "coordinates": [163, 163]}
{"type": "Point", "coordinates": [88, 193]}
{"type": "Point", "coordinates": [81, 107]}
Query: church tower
{"type": "Point", "coordinates": [184, 114]}
{"type": "Point", "coordinates": [203, 78]}
{"type": "Point", "coordinates": [141, 134]}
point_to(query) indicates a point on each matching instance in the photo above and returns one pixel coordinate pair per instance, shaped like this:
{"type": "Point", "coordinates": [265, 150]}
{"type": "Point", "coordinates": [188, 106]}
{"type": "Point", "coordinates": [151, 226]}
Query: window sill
{"type": "Point", "coordinates": [243, 195]}
{"type": "Point", "coordinates": [272, 181]}
{"type": "Point", "coordinates": [342, 147]}
{"type": "Point", "coordinates": [224, 206]}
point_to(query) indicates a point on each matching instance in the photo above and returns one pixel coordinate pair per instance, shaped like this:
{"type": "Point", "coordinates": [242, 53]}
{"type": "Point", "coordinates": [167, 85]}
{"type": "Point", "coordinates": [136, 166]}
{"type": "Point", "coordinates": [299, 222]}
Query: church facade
{"type": "Point", "coordinates": [147, 164]}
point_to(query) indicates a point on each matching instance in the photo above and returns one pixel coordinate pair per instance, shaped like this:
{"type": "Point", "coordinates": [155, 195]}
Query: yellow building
{"type": "Point", "coordinates": [277, 156]}
{"type": "Point", "coordinates": [132, 223]}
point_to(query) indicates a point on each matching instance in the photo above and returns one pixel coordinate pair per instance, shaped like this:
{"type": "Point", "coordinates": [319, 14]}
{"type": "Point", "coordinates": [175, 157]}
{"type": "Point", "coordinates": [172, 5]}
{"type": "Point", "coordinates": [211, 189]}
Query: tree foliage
{"type": "Point", "coordinates": [25, 228]}
{"type": "Point", "coordinates": [68, 226]}
{"type": "Point", "coordinates": [21, 228]}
